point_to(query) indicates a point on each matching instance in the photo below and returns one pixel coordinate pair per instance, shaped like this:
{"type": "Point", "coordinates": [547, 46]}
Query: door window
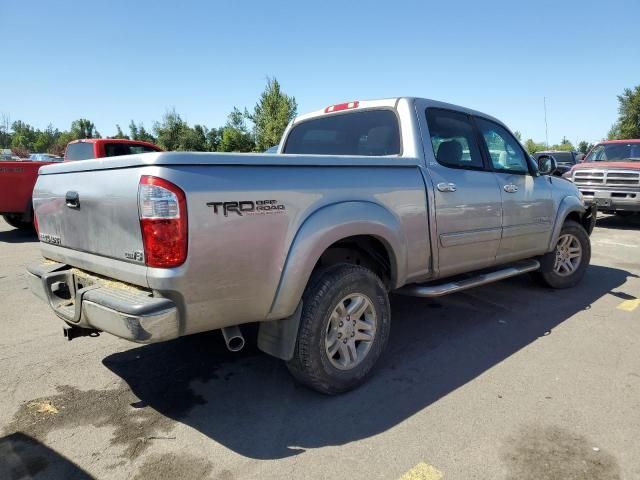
{"type": "Point", "coordinates": [453, 139]}
{"type": "Point", "coordinates": [504, 150]}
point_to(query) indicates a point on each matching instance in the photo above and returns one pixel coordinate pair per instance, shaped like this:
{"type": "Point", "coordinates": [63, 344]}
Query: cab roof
{"type": "Point", "coordinates": [391, 102]}
{"type": "Point", "coordinates": [629, 140]}
{"type": "Point", "coordinates": [114, 140]}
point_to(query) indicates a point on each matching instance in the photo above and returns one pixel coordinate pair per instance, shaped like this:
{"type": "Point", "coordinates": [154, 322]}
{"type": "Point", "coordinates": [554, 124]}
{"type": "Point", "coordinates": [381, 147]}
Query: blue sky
{"type": "Point", "coordinates": [116, 61]}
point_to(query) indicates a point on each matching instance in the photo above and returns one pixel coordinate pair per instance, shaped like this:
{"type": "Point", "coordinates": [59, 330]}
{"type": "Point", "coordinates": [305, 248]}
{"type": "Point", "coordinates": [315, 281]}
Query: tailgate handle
{"type": "Point", "coordinates": [72, 199]}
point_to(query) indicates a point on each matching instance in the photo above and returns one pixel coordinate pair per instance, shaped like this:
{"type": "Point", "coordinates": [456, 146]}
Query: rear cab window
{"type": "Point", "coordinates": [117, 149]}
{"type": "Point", "coordinates": [79, 151]}
{"type": "Point", "coordinates": [366, 132]}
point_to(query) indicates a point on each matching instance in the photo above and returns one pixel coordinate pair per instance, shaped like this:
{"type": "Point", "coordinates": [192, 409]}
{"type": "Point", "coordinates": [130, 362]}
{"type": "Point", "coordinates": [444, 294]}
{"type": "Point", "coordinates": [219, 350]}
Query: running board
{"type": "Point", "coordinates": [430, 290]}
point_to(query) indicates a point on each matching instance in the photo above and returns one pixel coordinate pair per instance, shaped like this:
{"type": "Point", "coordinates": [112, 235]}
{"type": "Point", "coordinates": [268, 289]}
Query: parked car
{"type": "Point", "coordinates": [6, 155]}
{"type": "Point", "coordinates": [17, 178]}
{"type": "Point", "coordinates": [564, 159]}
{"type": "Point", "coordinates": [609, 177]}
{"type": "Point", "coordinates": [368, 197]}
{"type": "Point", "coordinates": [45, 157]}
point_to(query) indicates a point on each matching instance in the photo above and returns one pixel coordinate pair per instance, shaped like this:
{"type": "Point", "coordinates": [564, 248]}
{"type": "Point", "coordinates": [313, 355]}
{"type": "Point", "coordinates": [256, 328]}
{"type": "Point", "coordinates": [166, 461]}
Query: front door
{"type": "Point", "coordinates": [527, 203]}
{"type": "Point", "coordinates": [468, 204]}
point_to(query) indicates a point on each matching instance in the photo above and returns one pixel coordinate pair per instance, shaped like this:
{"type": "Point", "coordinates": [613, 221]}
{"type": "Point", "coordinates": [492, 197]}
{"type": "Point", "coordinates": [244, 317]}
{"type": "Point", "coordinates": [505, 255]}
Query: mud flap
{"type": "Point", "coordinates": [278, 337]}
{"type": "Point", "coordinates": [589, 218]}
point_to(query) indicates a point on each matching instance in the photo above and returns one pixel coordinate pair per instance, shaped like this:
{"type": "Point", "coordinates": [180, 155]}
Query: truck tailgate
{"type": "Point", "coordinates": [88, 213]}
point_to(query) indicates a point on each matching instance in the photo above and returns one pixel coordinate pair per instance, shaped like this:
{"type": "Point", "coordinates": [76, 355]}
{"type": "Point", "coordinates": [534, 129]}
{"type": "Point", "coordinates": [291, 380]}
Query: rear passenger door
{"type": "Point", "coordinates": [467, 200]}
{"type": "Point", "coordinates": [527, 202]}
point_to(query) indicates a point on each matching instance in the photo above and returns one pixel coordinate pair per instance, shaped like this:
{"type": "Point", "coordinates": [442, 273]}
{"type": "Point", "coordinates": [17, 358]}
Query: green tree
{"type": "Point", "coordinates": [138, 132]}
{"type": "Point", "coordinates": [564, 145]}
{"type": "Point", "coordinates": [533, 147]}
{"type": "Point", "coordinates": [119, 133]}
{"type": "Point", "coordinates": [614, 132]}
{"type": "Point", "coordinates": [83, 128]}
{"type": "Point", "coordinates": [628, 123]}
{"type": "Point", "coordinates": [271, 115]}
{"type": "Point", "coordinates": [24, 136]}
{"type": "Point", "coordinates": [235, 134]}
{"type": "Point", "coordinates": [171, 131]}
{"type": "Point", "coordinates": [195, 139]}
{"type": "Point", "coordinates": [584, 147]}
{"type": "Point", "coordinates": [214, 136]}
{"type": "Point", "coordinates": [518, 135]}
{"type": "Point", "coordinates": [46, 139]}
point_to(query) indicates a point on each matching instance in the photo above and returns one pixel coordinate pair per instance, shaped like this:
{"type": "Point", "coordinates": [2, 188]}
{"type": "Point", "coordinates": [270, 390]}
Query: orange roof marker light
{"type": "Point", "coordinates": [342, 106]}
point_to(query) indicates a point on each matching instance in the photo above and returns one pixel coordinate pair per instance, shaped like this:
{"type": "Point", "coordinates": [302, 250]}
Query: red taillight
{"type": "Point", "coordinates": [163, 221]}
{"type": "Point", "coordinates": [342, 106]}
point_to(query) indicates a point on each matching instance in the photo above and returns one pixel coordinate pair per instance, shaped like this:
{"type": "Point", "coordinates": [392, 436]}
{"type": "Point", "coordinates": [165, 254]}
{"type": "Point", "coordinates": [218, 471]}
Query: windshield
{"type": "Point", "coordinates": [610, 152]}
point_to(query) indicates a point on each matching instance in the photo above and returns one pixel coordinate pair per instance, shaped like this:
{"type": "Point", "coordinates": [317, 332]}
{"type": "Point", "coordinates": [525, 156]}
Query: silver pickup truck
{"type": "Point", "coordinates": [364, 198]}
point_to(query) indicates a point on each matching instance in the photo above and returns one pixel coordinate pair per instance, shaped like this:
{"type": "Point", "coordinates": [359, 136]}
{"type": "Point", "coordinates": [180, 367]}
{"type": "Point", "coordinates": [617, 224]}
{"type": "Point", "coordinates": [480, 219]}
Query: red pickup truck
{"type": "Point", "coordinates": [610, 176]}
{"type": "Point", "coordinates": [17, 178]}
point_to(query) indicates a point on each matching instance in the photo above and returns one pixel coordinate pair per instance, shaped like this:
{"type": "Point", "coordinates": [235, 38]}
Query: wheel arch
{"type": "Point", "coordinates": [352, 224]}
{"type": "Point", "coordinates": [570, 208]}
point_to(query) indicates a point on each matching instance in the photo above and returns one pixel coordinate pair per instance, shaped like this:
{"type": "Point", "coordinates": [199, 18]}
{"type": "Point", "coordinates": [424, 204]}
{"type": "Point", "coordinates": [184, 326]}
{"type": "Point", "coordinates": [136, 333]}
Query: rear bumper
{"type": "Point", "coordinates": [84, 300]}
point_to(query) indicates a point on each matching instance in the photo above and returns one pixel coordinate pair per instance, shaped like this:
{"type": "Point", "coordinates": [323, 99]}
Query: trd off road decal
{"type": "Point", "coordinates": [247, 207]}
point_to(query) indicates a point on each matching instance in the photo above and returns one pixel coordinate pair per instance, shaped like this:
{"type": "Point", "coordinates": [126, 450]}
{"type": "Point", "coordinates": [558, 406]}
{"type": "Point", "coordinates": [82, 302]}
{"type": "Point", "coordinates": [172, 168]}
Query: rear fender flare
{"type": "Point", "coordinates": [323, 228]}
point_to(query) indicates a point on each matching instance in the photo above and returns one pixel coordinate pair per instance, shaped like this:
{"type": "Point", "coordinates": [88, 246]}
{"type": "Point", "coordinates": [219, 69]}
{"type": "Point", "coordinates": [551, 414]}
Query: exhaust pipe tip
{"type": "Point", "coordinates": [235, 344]}
{"type": "Point", "coordinates": [233, 338]}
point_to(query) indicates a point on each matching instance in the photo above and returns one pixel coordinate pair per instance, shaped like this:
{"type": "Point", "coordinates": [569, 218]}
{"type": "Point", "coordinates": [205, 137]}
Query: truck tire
{"type": "Point", "coordinates": [344, 327]}
{"type": "Point", "coordinates": [565, 266]}
{"type": "Point", "coordinates": [15, 220]}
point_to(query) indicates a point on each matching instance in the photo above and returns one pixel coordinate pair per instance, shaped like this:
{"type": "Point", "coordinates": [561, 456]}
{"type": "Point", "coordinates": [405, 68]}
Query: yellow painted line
{"type": "Point", "coordinates": [423, 471]}
{"type": "Point", "coordinates": [629, 305]}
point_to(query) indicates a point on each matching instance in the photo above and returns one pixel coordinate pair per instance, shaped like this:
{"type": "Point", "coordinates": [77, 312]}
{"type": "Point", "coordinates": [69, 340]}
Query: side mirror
{"type": "Point", "coordinates": [580, 157]}
{"type": "Point", "coordinates": [547, 164]}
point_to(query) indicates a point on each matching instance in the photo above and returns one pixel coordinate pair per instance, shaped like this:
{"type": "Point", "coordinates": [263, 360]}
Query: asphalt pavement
{"type": "Point", "coordinates": [506, 381]}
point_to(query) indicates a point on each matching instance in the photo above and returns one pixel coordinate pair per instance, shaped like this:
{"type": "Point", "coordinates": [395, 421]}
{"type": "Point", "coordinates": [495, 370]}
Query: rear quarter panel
{"type": "Point", "coordinates": [235, 263]}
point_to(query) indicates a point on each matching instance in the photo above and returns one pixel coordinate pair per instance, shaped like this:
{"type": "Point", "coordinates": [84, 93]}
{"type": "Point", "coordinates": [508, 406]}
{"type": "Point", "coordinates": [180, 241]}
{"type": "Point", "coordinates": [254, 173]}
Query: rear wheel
{"type": "Point", "coordinates": [565, 266]}
{"type": "Point", "coordinates": [344, 328]}
{"type": "Point", "coordinates": [15, 220]}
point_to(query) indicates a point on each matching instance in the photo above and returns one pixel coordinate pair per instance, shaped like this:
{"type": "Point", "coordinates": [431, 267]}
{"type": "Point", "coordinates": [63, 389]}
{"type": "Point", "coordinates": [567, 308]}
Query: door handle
{"type": "Point", "coordinates": [72, 199]}
{"type": "Point", "coordinates": [447, 187]}
{"type": "Point", "coordinates": [511, 188]}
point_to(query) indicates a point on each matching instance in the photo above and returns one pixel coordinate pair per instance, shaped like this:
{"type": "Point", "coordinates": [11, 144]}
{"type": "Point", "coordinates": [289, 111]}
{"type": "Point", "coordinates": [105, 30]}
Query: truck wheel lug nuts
{"type": "Point", "coordinates": [344, 341]}
{"type": "Point", "coordinates": [339, 335]}
{"type": "Point", "coordinates": [341, 324]}
{"type": "Point", "coordinates": [353, 334]}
